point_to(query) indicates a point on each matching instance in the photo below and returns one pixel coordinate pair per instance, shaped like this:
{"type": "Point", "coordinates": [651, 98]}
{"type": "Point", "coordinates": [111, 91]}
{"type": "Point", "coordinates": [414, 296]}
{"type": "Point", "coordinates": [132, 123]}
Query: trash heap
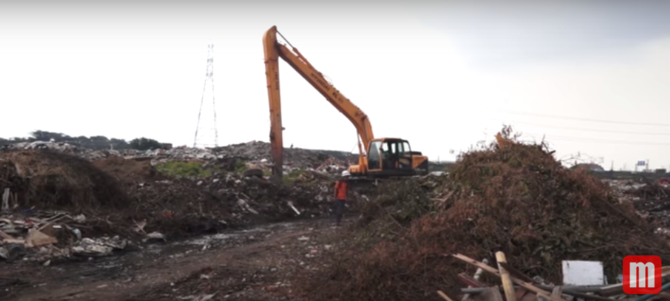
{"type": "Point", "coordinates": [52, 180]}
{"type": "Point", "coordinates": [44, 193]}
{"type": "Point", "coordinates": [255, 152]}
{"type": "Point", "coordinates": [652, 201]}
{"type": "Point", "coordinates": [515, 198]}
{"type": "Point", "coordinates": [45, 198]}
{"type": "Point", "coordinates": [182, 206]}
{"type": "Point", "coordinates": [47, 235]}
{"type": "Point", "coordinates": [582, 280]}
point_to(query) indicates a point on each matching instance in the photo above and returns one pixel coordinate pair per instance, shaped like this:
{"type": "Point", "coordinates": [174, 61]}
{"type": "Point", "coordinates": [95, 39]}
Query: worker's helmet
{"type": "Point", "coordinates": [345, 173]}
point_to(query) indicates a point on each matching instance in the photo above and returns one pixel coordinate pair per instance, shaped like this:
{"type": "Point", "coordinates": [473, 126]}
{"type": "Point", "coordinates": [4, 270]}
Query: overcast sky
{"type": "Point", "coordinates": [590, 75]}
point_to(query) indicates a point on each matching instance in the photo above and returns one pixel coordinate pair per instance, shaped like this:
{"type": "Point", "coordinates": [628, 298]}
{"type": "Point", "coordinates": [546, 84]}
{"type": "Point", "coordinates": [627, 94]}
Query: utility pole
{"type": "Point", "coordinates": [211, 129]}
{"type": "Point", "coordinates": [647, 166]}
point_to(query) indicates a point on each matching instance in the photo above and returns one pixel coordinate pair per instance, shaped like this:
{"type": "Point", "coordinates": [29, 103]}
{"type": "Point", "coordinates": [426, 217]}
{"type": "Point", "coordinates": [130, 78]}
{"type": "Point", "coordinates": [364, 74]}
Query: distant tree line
{"type": "Point", "coordinates": [93, 142]}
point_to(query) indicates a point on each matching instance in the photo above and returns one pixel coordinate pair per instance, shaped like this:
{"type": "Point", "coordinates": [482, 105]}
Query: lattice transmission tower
{"type": "Point", "coordinates": [206, 132]}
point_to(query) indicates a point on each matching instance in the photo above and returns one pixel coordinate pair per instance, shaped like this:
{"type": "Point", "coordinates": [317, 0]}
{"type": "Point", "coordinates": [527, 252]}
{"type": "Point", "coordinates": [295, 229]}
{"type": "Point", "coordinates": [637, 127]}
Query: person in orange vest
{"type": "Point", "coordinates": [341, 189]}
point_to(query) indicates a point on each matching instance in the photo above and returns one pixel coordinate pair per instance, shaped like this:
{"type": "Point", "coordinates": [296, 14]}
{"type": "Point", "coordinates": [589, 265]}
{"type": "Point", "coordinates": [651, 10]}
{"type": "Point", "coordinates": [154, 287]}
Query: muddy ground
{"type": "Point", "coordinates": [250, 264]}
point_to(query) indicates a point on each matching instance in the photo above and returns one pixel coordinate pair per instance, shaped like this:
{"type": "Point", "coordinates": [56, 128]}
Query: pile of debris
{"type": "Point", "coordinates": [47, 235]}
{"type": "Point", "coordinates": [650, 199]}
{"type": "Point", "coordinates": [131, 192]}
{"type": "Point", "coordinates": [581, 280]}
{"type": "Point", "coordinates": [181, 206]}
{"type": "Point", "coordinates": [653, 203]}
{"type": "Point", "coordinates": [254, 152]}
{"type": "Point", "coordinates": [61, 147]}
{"type": "Point", "coordinates": [52, 180]}
{"type": "Point", "coordinates": [513, 197]}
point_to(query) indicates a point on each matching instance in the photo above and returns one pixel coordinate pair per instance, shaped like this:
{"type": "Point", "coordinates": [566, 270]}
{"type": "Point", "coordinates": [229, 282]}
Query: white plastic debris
{"type": "Point", "coordinates": [290, 204]}
{"type": "Point", "coordinates": [99, 247]}
{"type": "Point", "coordinates": [80, 218]}
{"type": "Point", "coordinates": [155, 236]}
{"type": "Point", "coordinates": [576, 272]}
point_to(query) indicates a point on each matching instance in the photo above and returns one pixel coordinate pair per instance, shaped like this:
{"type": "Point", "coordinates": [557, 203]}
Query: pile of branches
{"type": "Point", "coordinates": [511, 197]}
{"type": "Point", "coordinates": [652, 191]}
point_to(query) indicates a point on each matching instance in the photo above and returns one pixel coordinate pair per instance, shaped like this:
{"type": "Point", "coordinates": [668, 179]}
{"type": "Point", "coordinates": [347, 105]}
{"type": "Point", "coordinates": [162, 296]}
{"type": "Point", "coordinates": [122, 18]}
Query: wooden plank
{"type": "Point", "coordinates": [508, 285]}
{"type": "Point", "coordinates": [444, 296]}
{"type": "Point", "coordinates": [495, 272]}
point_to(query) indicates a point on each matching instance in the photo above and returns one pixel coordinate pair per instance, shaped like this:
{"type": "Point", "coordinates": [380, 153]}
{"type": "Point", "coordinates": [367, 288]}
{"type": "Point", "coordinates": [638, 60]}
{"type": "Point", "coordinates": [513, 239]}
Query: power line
{"type": "Point", "coordinates": [581, 119]}
{"type": "Point", "coordinates": [584, 129]}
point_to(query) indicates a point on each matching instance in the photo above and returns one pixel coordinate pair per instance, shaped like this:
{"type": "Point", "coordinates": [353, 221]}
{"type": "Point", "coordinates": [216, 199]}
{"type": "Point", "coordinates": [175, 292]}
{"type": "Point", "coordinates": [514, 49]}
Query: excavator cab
{"type": "Point", "coordinates": [391, 157]}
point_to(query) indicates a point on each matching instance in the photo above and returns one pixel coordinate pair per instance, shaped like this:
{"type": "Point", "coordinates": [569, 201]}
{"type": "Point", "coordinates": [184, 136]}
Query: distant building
{"type": "Point", "coordinates": [166, 145]}
{"type": "Point", "coordinates": [590, 166]}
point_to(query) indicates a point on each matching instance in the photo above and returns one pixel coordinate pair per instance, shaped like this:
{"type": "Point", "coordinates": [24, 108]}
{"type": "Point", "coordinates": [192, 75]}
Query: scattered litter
{"type": "Point", "coordinates": [155, 236]}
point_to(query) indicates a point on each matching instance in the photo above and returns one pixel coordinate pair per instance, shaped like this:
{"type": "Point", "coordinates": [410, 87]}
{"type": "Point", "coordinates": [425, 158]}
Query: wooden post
{"type": "Point", "coordinates": [508, 285]}
{"type": "Point", "coordinates": [477, 275]}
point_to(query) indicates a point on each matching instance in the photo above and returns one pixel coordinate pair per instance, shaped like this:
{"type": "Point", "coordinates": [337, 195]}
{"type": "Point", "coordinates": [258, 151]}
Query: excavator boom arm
{"type": "Point", "coordinates": [274, 50]}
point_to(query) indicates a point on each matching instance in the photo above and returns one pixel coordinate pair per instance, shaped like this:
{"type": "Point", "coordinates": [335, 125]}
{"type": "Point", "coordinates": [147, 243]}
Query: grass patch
{"type": "Point", "coordinates": [240, 166]}
{"type": "Point", "coordinates": [182, 169]}
{"type": "Point", "coordinates": [292, 176]}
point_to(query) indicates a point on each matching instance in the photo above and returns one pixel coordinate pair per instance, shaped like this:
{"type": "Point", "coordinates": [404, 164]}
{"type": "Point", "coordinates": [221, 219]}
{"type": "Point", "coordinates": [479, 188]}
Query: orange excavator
{"type": "Point", "coordinates": [378, 157]}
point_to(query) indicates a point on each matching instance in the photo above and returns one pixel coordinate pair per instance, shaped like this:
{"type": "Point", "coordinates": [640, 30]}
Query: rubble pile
{"type": "Point", "coordinates": [52, 180]}
{"type": "Point", "coordinates": [650, 199]}
{"type": "Point", "coordinates": [61, 147]}
{"type": "Point", "coordinates": [257, 153]}
{"type": "Point", "coordinates": [180, 206]}
{"type": "Point", "coordinates": [582, 280]}
{"type": "Point", "coordinates": [653, 202]}
{"type": "Point", "coordinates": [131, 200]}
{"type": "Point", "coordinates": [513, 197]}
{"type": "Point", "coordinates": [47, 235]}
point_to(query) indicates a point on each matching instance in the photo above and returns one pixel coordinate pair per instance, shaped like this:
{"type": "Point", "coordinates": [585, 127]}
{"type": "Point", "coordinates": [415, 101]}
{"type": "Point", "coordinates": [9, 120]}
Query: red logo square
{"type": "Point", "coordinates": [642, 274]}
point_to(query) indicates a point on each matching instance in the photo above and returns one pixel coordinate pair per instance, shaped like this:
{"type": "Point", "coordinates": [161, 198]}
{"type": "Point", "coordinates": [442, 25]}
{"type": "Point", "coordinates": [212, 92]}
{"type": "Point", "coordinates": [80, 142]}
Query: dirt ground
{"type": "Point", "coordinates": [251, 264]}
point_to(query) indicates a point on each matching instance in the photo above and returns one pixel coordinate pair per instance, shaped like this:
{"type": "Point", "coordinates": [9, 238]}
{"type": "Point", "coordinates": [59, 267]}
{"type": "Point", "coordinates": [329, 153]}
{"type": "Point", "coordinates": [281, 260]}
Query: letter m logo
{"type": "Point", "coordinates": [642, 275]}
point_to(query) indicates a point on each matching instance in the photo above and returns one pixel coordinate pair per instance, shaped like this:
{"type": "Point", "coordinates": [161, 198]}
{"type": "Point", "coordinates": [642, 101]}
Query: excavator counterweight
{"type": "Point", "coordinates": [378, 157]}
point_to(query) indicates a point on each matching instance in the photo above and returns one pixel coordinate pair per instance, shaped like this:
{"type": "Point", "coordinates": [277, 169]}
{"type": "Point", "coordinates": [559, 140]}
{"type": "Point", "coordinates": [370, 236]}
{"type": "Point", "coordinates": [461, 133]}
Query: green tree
{"type": "Point", "coordinates": [144, 144]}
{"type": "Point", "coordinates": [46, 136]}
